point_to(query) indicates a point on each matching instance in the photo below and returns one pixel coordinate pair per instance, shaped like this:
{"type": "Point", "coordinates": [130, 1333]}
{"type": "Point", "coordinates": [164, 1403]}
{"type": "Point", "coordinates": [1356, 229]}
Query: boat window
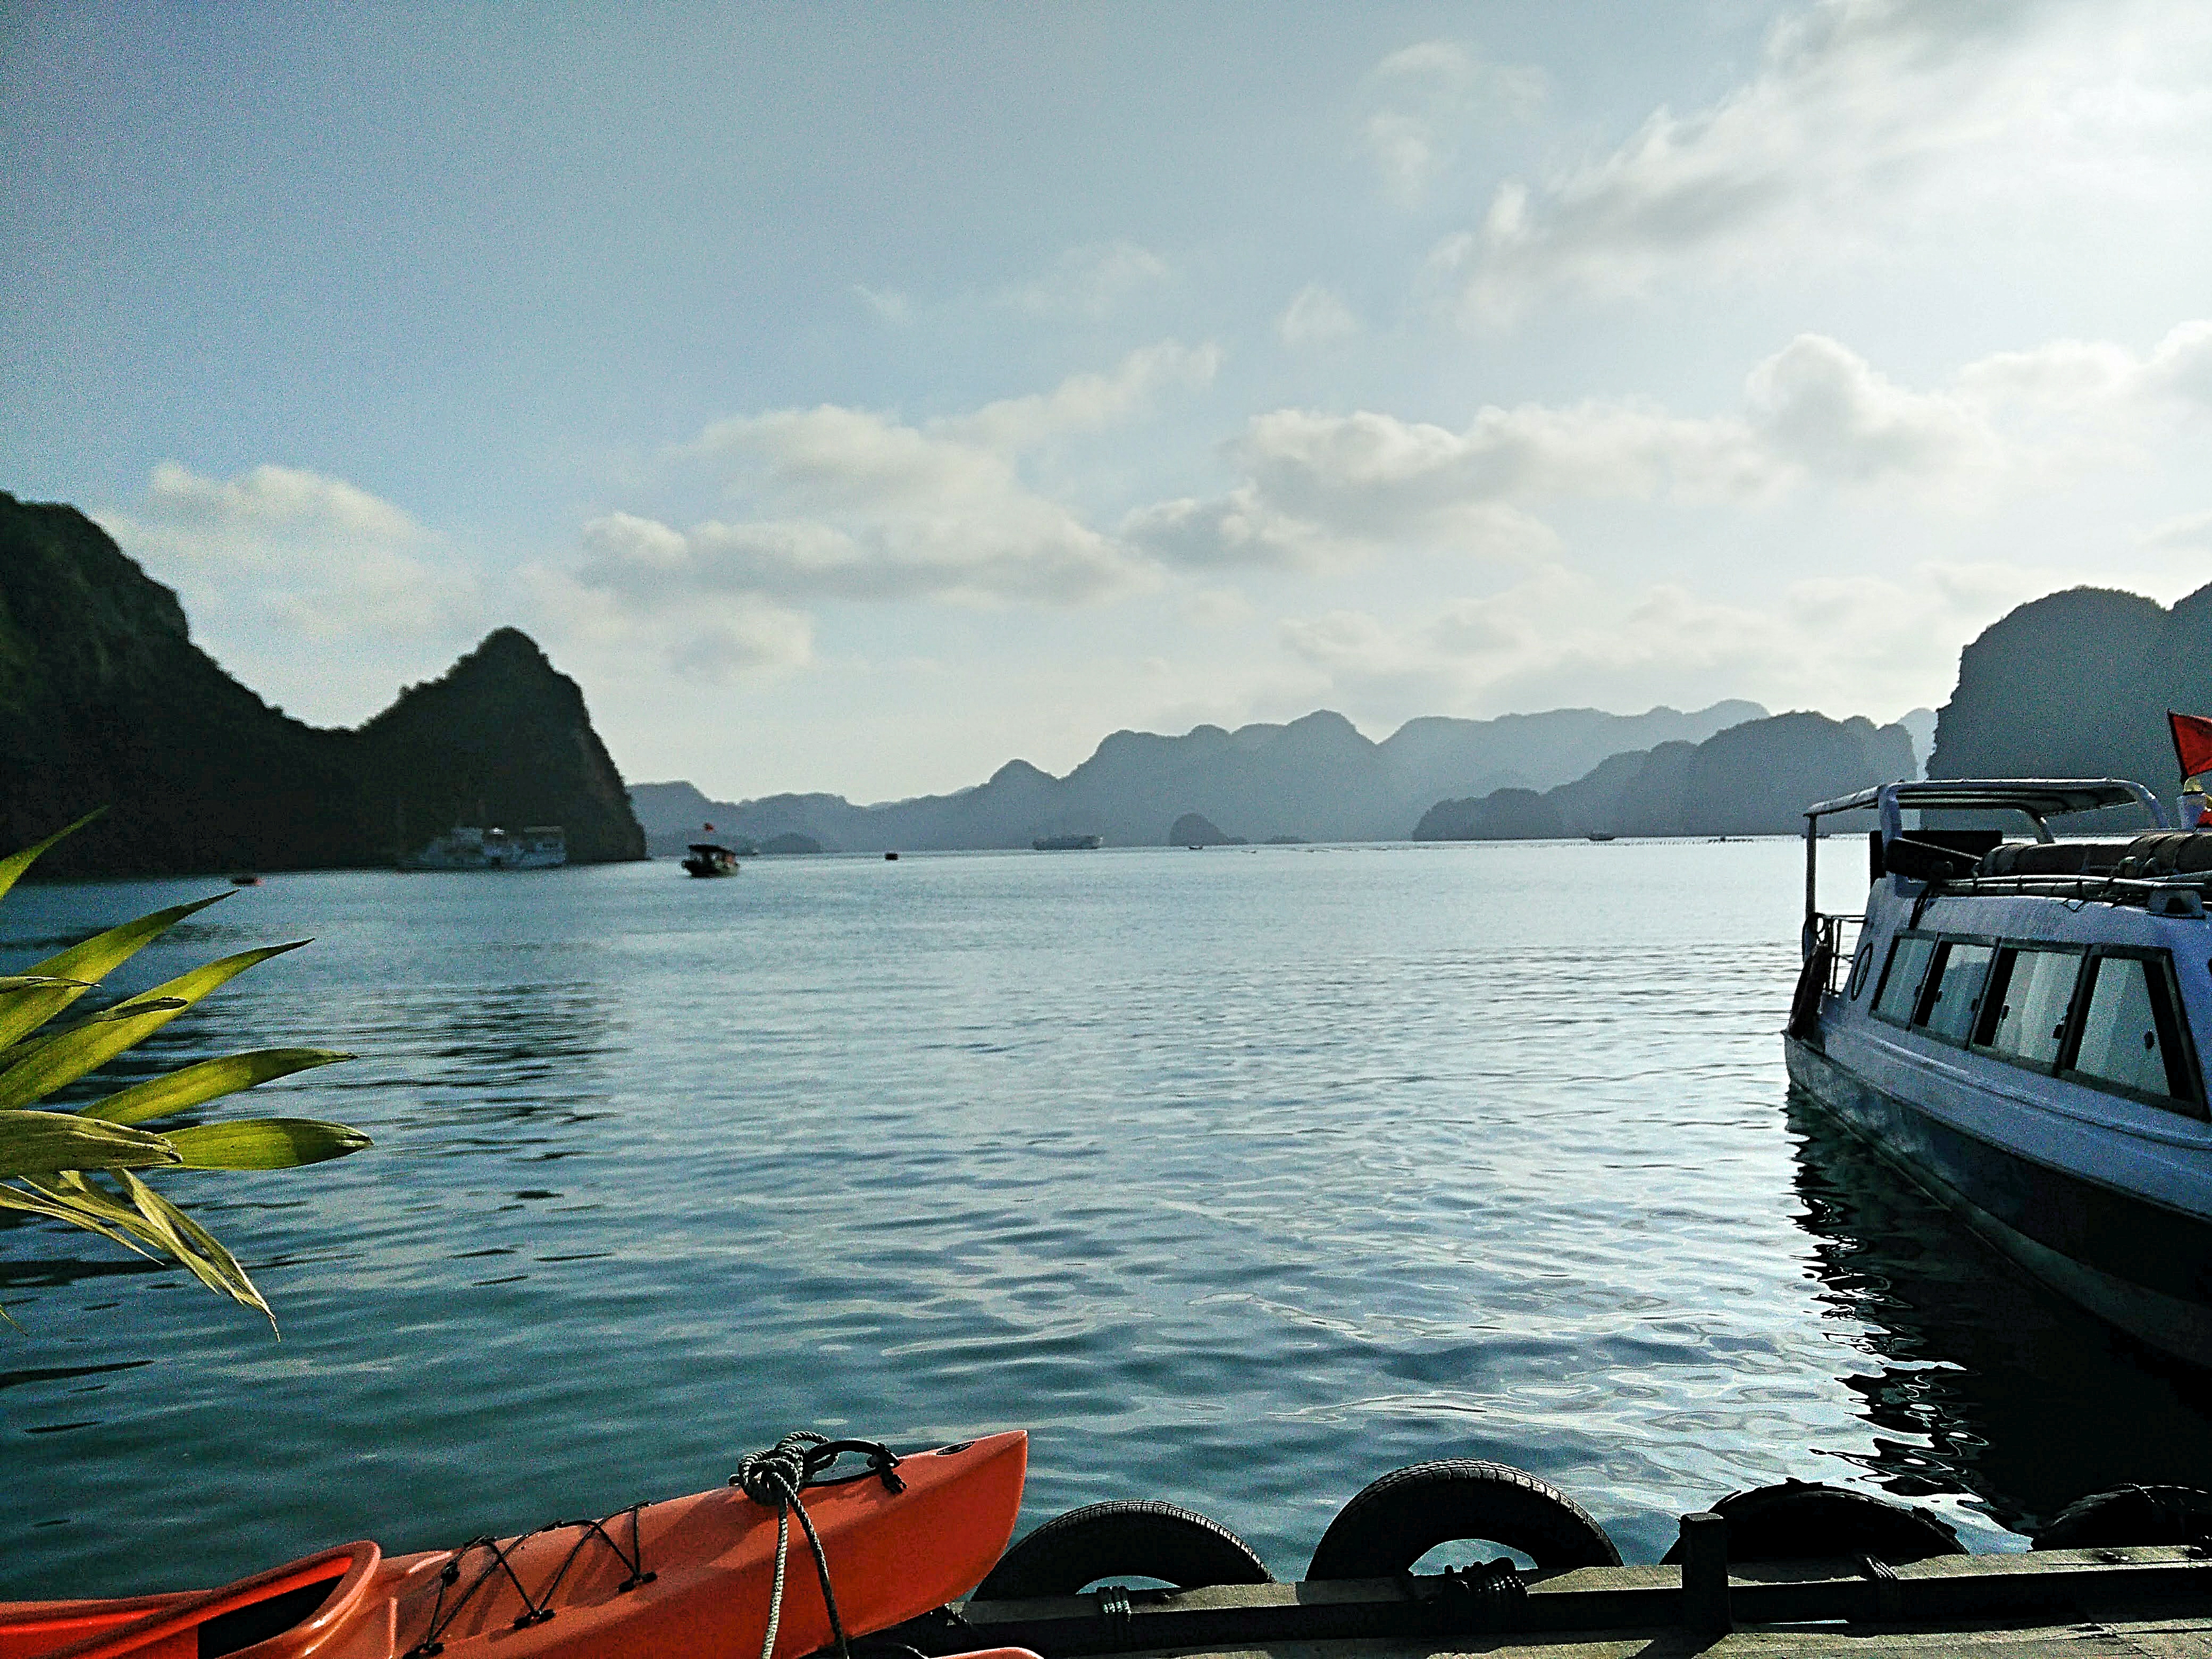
{"type": "Point", "coordinates": [2025, 1011]}
{"type": "Point", "coordinates": [1955, 994]}
{"type": "Point", "coordinates": [2128, 1031]}
{"type": "Point", "coordinates": [1900, 983]}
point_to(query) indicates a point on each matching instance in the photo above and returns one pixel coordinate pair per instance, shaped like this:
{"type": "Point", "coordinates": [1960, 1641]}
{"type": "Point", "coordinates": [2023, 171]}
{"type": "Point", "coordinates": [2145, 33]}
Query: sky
{"type": "Point", "coordinates": [856, 398]}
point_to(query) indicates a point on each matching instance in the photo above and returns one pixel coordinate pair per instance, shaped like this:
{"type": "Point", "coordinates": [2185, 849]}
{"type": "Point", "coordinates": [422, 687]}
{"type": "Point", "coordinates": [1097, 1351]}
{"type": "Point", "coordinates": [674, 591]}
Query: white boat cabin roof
{"type": "Point", "coordinates": [2038, 798]}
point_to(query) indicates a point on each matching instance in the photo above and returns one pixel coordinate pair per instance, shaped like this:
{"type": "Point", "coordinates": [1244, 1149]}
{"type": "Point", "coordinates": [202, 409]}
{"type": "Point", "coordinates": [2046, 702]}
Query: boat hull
{"type": "Point", "coordinates": [2139, 1264]}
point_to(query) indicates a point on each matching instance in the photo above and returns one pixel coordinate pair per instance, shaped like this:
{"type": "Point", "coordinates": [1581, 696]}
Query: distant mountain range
{"type": "Point", "coordinates": [106, 702]}
{"type": "Point", "coordinates": [1755, 779]}
{"type": "Point", "coordinates": [1315, 779]}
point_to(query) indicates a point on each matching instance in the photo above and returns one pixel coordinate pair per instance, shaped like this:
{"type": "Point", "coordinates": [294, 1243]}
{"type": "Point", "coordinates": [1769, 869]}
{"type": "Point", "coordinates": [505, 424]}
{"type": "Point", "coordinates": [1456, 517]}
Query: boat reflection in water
{"type": "Point", "coordinates": [1978, 1377]}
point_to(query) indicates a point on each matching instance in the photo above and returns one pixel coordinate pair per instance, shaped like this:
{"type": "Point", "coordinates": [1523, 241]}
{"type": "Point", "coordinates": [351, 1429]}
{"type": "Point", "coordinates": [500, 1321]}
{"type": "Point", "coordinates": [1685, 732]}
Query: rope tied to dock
{"type": "Point", "coordinates": [774, 1479]}
{"type": "Point", "coordinates": [1484, 1596]}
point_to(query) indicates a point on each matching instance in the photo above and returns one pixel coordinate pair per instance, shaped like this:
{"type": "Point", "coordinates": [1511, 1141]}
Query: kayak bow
{"type": "Point", "coordinates": [688, 1576]}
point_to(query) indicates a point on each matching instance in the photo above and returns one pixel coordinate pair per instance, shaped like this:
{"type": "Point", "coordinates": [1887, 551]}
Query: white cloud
{"type": "Point", "coordinates": [1319, 490]}
{"type": "Point", "coordinates": [1823, 406]}
{"type": "Point", "coordinates": [1862, 113]}
{"type": "Point", "coordinates": [1558, 636]}
{"type": "Point", "coordinates": [858, 505]}
{"type": "Point", "coordinates": [1090, 283]}
{"type": "Point", "coordinates": [1315, 316]}
{"type": "Point", "coordinates": [1085, 402]}
{"type": "Point", "coordinates": [314, 555]}
{"type": "Point", "coordinates": [1322, 489]}
{"type": "Point", "coordinates": [1423, 98]}
{"type": "Point", "coordinates": [700, 633]}
{"type": "Point", "coordinates": [316, 592]}
{"type": "Point", "coordinates": [888, 305]}
{"type": "Point", "coordinates": [2190, 532]}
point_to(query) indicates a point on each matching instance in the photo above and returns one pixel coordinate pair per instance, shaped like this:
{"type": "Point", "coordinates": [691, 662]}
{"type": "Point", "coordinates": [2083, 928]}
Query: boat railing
{"type": "Point", "coordinates": [1838, 935]}
{"type": "Point", "coordinates": [2185, 895]}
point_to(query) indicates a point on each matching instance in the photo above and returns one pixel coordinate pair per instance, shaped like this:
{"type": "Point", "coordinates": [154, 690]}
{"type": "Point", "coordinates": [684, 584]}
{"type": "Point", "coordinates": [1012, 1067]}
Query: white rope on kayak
{"type": "Point", "coordinates": [773, 1479]}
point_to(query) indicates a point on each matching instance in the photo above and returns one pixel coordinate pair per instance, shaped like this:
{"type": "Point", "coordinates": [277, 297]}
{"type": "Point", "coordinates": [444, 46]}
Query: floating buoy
{"type": "Point", "coordinates": [1399, 1519]}
{"type": "Point", "coordinates": [1122, 1538]}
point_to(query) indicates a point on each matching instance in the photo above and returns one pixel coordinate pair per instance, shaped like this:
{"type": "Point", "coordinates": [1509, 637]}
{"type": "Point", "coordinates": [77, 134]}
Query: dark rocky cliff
{"type": "Point", "coordinates": [2077, 684]}
{"type": "Point", "coordinates": [106, 702]}
{"type": "Point", "coordinates": [502, 738]}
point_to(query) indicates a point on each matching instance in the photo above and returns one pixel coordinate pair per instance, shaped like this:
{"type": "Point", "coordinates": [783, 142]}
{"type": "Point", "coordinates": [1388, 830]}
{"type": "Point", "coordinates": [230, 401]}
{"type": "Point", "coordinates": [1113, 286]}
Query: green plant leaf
{"type": "Point", "coordinates": [69, 1056]}
{"type": "Point", "coordinates": [85, 965]}
{"type": "Point", "coordinates": [100, 955]}
{"type": "Point", "coordinates": [39, 1143]}
{"type": "Point", "coordinates": [194, 1245]}
{"type": "Point", "coordinates": [57, 1208]}
{"type": "Point", "coordinates": [12, 866]}
{"type": "Point", "coordinates": [264, 1143]}
{"type": "Point", "coordinates": [89, 1031]}
{"type": "Point", "coordinates": [210, 1079]}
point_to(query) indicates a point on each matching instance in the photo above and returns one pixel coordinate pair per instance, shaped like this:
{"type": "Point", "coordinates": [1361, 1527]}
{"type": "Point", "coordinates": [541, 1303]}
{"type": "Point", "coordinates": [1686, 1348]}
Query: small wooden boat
{"type": "Point", "coordinates": [705, 858]}
{"type": "Point", "coordinates": [689, 1576]}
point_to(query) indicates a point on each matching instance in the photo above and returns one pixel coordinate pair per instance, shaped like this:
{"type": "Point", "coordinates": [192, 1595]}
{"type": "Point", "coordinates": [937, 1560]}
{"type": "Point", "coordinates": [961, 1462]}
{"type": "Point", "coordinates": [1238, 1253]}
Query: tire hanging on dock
{"type": "Point", "coordinates": [2131, 1515]}
{"type": "Point", "coordinates": [1399, 1518]}
{"type": "Point", "coordinates": [1799, 1520]}
{"type": "Point", "coordinates": [1122, 1538]}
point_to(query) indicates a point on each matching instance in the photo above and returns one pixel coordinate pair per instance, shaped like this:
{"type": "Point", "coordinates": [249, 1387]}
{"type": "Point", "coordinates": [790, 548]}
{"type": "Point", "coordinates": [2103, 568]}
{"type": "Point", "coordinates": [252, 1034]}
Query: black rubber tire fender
{"type": "Point", "coordinates": [1806, 1520]}
{"type": "Point", "coordinates": [1397, 1519]}
{"type": "Point", "coordinates": [1122, 1538]}
{"type": "Point", "coordinates": [2131, 1515]}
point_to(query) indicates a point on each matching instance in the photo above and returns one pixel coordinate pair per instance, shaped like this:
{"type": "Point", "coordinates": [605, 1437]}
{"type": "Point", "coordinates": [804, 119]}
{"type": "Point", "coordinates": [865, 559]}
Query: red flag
{"type": "Point", "coordinates": [2192, 743]}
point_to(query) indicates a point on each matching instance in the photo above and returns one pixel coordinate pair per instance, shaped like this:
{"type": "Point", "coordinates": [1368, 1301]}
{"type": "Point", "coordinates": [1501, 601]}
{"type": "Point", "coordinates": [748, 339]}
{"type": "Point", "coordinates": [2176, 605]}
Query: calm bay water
{"type": "Point", "coordinates": [1237, 1178]}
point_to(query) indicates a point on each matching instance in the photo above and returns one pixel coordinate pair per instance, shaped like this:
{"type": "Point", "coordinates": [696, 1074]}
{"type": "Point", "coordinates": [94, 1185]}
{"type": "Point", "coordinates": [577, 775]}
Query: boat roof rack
{"type": "Point", "coordinates": [2039, 797]}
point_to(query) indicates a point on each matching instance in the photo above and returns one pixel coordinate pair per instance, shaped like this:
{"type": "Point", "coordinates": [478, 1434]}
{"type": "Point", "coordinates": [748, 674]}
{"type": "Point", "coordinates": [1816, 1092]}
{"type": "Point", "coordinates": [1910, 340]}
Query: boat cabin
{"type": "Point", "coordinates": [2018, 1021]}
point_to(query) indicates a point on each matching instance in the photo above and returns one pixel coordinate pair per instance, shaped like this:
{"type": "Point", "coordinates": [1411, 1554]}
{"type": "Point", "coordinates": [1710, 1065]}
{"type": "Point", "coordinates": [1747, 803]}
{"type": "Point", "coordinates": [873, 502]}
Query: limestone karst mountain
{"type": "Point", "coordinates": [1755, 779]}
{"type": "Point", "coordinates": [1315, 779]}
{"type": "Point", "coordinates": [2077, 684]}
{"type": "Point", "coordinates": [105, 700]}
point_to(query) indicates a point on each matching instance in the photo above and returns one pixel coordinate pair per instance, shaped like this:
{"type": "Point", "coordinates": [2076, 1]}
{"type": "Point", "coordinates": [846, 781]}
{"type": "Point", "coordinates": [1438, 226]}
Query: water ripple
{"type": "Point", "coordinates": [1237, 1181]}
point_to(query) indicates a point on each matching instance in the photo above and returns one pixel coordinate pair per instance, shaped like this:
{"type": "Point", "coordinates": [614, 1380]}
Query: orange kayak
{"type": "Point", "coordinates": [685, 1578]}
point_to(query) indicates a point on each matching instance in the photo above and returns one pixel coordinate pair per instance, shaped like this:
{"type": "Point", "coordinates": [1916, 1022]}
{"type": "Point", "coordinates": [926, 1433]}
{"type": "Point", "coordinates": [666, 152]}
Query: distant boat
{"type": "Point", "coordinates": [542, 846]}
{"type": "Point", "coordinates": [1597, 837]}
{"type": "Point", "coordinates": [245, 879]}
{"type": "Point", "coordinates": [707, 858]}
{"type": "Point", "coordinates": [1067, 843]}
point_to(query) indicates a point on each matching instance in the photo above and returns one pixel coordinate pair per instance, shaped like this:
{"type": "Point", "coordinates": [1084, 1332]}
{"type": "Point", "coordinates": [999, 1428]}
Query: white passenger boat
{"type": "Point", "coordinates": [2016, 1024]}
{"type": "Point", "coordinates": [541, 847]}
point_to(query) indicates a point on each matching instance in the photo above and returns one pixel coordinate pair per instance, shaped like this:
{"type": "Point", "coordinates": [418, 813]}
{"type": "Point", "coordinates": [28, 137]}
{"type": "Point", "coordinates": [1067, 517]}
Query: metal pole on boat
{"type": "Point", "coordinates": [1808, 937]}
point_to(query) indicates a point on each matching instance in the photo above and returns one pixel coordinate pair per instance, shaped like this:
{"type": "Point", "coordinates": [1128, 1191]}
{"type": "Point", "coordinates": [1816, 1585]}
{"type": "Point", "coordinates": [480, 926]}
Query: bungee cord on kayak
{"type": "Point", "coordinates": [538, 1608]}
{"type": "Point", "coordinates": [774, 1478]}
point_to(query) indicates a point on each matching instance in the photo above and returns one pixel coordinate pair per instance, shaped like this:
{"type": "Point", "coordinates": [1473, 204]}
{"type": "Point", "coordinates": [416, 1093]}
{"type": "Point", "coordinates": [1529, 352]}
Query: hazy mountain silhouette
{"type": "Point", "coordinates": [106, 702]}
{"type": "Point", "coordinates": [1317, 778]}
{"type": "Point", "coordinates": [1755, 779]}
{"type": "Point", "coordinates": [2077, 684]}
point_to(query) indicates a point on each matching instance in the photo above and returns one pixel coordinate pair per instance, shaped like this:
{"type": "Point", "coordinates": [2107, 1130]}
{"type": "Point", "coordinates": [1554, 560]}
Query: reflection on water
{"type": "Point", "coordinates": [1237, 1180]}
{"type": "Point", "coordinates": [1985, 1381]}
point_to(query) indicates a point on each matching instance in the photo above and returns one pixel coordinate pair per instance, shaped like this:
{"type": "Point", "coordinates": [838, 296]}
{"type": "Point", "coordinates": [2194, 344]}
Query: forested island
{"type": "Point", "coordinates": [105, 701]}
